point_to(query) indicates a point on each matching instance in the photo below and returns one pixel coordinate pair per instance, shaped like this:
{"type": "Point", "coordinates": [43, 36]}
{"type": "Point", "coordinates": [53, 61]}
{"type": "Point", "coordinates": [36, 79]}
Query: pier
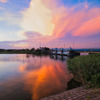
{"type": "Point", "coordinates": [70, 51]}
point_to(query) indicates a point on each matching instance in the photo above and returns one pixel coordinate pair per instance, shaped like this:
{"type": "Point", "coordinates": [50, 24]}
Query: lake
{"type": "Point", "coordinates": [30, 77]}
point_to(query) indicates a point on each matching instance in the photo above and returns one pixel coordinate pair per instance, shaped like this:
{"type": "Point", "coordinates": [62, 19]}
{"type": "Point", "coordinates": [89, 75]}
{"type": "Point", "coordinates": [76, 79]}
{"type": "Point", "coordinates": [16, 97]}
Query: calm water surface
{"type": "Point", "coordinates": [29, 77]}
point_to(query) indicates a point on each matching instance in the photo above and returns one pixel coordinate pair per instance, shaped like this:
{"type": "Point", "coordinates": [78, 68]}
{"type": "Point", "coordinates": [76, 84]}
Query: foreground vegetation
{"type": "Point", "coordinates": [86, 69]}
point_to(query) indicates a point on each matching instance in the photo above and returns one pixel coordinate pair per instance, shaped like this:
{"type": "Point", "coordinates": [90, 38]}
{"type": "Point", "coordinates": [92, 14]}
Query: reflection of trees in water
{"type": "Point", "coordinates": [36, 55]}
{"type": "Point", "coordinates": [26, 58]}
{"type": "Point", "coordinates": [28, 55]}
{"type": "Point", "coordinates": [58, 57]}
{"type": "Point", "coordinates": [35, 62]}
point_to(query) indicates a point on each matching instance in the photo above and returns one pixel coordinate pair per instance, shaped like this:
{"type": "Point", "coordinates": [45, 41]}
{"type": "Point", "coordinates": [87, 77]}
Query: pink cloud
{"type": "Point", "coordinates": [52, 21]}
{"type": "Point", "coordinates": [55, 20]}
{"type": "Point", "coordinates": [37, 37]}
{"type": "Point", "coordinates": [3, 1]}
{"type": "Point", "coordinates": [78, 23]}
{"type": "Point", "coordinates": [89, 27]}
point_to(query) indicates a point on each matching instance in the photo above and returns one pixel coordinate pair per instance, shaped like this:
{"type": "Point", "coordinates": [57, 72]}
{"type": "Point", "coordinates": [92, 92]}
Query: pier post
{"type": "Point", "coordinates": [52, 52]}
{"type": "Point", "coordinates": [62, 51]}
{"type": "Point", "coordinates": [56, 52]}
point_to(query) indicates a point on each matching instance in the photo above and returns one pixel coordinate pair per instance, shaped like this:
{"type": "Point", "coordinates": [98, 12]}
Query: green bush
{"type": "Point", "coordinates": [86, 69]}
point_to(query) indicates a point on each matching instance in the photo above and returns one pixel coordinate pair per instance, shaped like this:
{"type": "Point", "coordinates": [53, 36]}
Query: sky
{"type": "Point", "coordinates": [51, 23]}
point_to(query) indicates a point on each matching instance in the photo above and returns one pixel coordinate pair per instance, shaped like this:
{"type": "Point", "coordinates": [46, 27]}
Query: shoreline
{"type": "Point", "coordinates": [80, 93]}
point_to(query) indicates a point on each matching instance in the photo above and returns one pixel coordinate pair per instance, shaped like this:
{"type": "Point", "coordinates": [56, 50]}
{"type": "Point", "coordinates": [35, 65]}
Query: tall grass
{"type": "Point", "coordinates": [86, 69]}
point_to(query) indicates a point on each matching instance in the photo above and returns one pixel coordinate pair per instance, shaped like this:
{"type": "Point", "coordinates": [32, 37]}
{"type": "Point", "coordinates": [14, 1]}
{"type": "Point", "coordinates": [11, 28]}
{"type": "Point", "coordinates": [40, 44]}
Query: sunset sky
{"type": "Point", "coordinates": [51, 23]}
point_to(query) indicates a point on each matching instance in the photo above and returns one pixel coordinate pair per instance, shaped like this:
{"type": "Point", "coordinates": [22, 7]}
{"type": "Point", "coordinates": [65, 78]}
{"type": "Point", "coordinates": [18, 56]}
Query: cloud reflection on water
{"type": "Point", "coordinates": [40, 76]}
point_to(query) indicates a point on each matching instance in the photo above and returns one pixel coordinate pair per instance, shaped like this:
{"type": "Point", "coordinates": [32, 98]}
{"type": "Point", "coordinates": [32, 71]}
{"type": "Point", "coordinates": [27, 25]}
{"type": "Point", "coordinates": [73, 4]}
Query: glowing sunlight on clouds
{"type": "Point", "coordinates": [57, 21]}
{"type": "Point", "coordinates": [49, 20]}
{"type": "Point", "coordinates": [37, 18]}
{"type": "Point", "coordinates": [45, 21]}
{"type": "Point", "coordinates": [89, 27]}
{"type": "Point", "coordinates": [81, 23]}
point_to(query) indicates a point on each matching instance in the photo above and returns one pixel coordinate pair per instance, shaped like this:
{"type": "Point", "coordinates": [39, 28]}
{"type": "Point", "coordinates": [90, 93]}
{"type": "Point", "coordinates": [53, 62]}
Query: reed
{"type": "Point", "coordinates": [86, 69]}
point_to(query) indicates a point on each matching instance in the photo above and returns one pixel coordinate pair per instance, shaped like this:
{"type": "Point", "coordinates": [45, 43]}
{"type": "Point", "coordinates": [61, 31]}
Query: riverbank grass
{"type": "Point", "coordinates": [86, 69]}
